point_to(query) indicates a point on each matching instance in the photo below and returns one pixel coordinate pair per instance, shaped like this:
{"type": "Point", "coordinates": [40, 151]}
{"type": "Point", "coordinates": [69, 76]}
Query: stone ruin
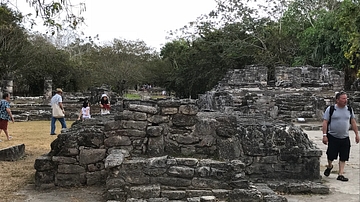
{"type": "Point", "coordinates": [235, 143]}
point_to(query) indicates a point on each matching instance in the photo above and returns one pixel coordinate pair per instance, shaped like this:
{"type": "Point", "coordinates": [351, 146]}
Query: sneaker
{"type": "Point", "coordinates": [53, 134]}
{"type": "Point", "coordinates": [342, 178]}
{"type": "Point", "coordinates": [10, 137]}
{"type": "Point", "coordinates": [328, 170]}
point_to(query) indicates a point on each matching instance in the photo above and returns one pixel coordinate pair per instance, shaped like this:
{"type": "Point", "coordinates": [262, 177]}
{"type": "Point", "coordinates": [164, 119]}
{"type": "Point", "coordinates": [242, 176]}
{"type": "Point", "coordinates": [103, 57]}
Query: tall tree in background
{"type": "Point", "coordinates": [13, 40]}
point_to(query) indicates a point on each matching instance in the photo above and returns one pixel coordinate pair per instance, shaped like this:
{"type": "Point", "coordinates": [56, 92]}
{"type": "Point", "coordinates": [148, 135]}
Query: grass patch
{"type": "Point", "coordinates": [132, 96]}
{"type": "Point", "coordinates": [17, 174]}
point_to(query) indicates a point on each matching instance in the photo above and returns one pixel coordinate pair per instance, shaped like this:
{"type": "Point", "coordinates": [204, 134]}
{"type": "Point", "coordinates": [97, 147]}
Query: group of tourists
{"type": "Point", "coordinates": [57, 102]}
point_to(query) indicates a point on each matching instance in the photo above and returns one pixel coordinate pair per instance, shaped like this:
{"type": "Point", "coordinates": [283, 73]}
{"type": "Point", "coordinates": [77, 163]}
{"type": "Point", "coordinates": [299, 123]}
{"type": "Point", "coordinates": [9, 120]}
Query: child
{"type": "Point", "coordinates": [85, 111]}
{"type": "Point", "coordinates": [104, 104]}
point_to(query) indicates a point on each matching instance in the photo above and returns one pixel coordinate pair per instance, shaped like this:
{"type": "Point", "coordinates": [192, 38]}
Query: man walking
{"type": "Point", "coordinates": [57, 100]}
{"type": "Point", "coordinates": [335, 129]}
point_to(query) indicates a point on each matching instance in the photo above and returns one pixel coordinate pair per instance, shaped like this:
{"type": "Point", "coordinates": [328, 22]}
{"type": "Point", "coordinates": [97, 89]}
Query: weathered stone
{"type": "Point", "coordinates": [145, 192]}
{"type": "Point", "coordinates": [173, 194]}
{"type": "Point", "coordinates": [158, 119]}
{"type": "Point", "coordinates": [198, 193]}
{"type": "Point", "coordinates": [70, 168]}
{"type": "Point", "coordinates": [138, 125]}
{"type": "Point", "coordinates": [88, 156]}
{"type": "Point", "coordinates": [184, 120]}
{"type": "Point", "coordinates": [169, 110]}
{"type": "Point", "coordinates": [184, 172]}
{"type": "Point", "coordinates": [96, 166]}
{"type": "Point", "coordinates": [187, 139]}
{"type": "Point", "coordinates": [96, 178]}
{"type": "Point", "coordinates": [154, 131]}
{"type": "Point", "coordinates": [44, 163]}
{"type": "Point", "coordinates": [44, 177]}
{"type": "Point", "coordinates": [131, 115]}
{"type": "Point", "coordinates": [66, 180]}
{"type": "Point", "coordinates": [142, 108]}
{"type": "Point", "coordinates": [64, 160]}
{"type": "Point", "coordinates": [188, 109]}
{"type": "Point", "coordinates": [117, 141]}
{"type": "Point", "coordinates": [155, 146]}
{"type": "Point", "coordinates": [112, 125]}
{"type": "Point", "coordinates": [114, 160]}
{"type": "Point", "coordinates": [130, 133]}
{"type": "Point", "coordinates": [172, 181]}
{"type": "Point", "coordinates": [12, 153]}
{"type": "Point", "coordinates": [187, 161]}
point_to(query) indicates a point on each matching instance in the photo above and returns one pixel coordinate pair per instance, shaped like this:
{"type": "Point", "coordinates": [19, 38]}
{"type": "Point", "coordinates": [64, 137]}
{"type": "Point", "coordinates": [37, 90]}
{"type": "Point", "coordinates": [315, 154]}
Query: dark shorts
{"type": "Point", "coordinates": [337, 147]}
{"type": "Point", "coordinates": [3, 124]}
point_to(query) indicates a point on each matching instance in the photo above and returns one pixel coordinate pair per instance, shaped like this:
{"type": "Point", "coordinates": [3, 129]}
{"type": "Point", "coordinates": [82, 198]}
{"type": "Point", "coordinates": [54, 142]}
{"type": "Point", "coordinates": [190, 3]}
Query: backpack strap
{"type": "Point", "coordinates": [332, 109]}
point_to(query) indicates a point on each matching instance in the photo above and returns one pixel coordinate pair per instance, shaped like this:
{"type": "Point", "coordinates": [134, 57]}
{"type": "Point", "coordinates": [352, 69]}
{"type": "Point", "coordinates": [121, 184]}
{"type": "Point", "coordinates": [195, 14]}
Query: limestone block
{"type": "Point", "coordinates": [156, 146]}
{"type": "Point", "coordinates": [12, 153]}
{"type": "Point", "coordinates": [70, 168]}
{"type": "Point", "coordinates": [169, 110]}
{"type": "Point", "coordinates": [143, 108]}
{"type": "Point", "coordinates": [96, 178]}
{"type": "Point", "coordinates": [89, 156]}
{"type": "Point", "coordinates": [187, 161]}
{"type": "Point", "coordinates": [117, 141]}
{"type": "Point", "coordinates": [133, 115]}
{"type": "Point", "coordinates": [173, 194]}
{"type": "Point", "coordinates": [64, 160]}
{"type": "Point", "coordinates": [114, 160]}
{"type": "Point", "coordinates": [44, 163]}
{"type": "Point", "coordinates": [184, 120]}
{"type": "Point", "coordinates": [154, 131]}
{"type": "Point", "coordinates": [138, 125]}
{"type": "Point", "coordinates": [158, 119]}
{"type": "Point", "coordinates": [183, 172]}
{"type": "Point", "coordinates": [145, 192]}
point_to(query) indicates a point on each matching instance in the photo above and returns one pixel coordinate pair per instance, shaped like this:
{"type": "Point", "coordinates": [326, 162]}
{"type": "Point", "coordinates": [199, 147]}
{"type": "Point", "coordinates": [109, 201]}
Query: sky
{"type": "Point", "coordinates": [147, 20]}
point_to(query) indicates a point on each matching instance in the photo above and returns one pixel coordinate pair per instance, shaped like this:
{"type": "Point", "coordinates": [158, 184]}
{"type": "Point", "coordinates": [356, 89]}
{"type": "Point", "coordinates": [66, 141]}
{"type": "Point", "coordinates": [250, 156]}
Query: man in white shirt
{"type": "Point", "coordinates": [57, 100]}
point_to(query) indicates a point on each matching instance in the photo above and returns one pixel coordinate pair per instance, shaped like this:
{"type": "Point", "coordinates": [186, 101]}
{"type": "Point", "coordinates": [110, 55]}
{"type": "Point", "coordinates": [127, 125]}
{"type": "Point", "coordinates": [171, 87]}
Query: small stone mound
{"type": "Point", "coordinates": [12, 153]}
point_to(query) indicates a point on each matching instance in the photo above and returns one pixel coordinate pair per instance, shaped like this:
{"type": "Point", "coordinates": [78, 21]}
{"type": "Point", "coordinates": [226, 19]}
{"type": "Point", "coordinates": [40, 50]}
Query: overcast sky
{"type": "Point", "coordinates": [147, 20]}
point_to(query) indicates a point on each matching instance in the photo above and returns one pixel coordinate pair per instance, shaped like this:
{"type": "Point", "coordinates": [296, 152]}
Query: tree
{"type": "Point", "coordinates": [55, 14]}
{"type": "Point", "coordinates": [12, 42]}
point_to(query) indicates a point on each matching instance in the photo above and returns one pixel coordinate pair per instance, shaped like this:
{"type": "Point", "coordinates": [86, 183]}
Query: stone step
{"type": "Point", "coordinates": [153, 193]}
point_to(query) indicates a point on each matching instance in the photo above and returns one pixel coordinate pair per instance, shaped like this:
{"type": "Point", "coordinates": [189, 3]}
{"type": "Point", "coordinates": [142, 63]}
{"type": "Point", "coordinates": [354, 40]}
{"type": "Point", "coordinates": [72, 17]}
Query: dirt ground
{"type": "Point", "coordinates": [340, 191]}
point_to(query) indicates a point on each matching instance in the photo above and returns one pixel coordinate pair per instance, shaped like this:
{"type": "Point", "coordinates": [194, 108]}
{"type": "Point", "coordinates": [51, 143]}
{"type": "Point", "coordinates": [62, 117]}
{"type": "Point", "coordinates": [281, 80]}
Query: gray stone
{"type": "Point", "coordinates": [12, 153]}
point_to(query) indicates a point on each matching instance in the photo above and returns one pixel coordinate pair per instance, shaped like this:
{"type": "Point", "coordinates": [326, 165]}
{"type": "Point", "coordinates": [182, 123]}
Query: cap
{"type": "Point", "coordinates": [103, 95]}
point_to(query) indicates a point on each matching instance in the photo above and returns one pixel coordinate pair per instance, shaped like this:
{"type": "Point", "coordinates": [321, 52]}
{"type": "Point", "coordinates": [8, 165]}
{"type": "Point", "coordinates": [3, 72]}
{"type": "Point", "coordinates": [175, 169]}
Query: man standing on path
{"type": "Point", "coordinates": [335, 130]}
{"type": "Point", "coordinates": [5, 114]}
{"type": "Point", "coordinates": [57, 100]}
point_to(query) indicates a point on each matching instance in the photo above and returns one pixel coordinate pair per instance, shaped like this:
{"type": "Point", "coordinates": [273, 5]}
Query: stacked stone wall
{"type": "Point", "coordinates": [162, 142]}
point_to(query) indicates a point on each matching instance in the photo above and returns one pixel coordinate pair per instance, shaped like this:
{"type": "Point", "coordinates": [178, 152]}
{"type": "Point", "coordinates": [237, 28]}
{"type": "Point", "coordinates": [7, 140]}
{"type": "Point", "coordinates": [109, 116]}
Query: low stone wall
{"type": "Point", "coordinates": [159, 142]}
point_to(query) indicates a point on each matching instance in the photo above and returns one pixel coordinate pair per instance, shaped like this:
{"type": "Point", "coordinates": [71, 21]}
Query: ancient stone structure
{"type": "Point", "coordinates": [233, 144]}
{"type": "Point", "coordinates": [167, 149]}
{"type": "Point", "coordinates": [301, 92]}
